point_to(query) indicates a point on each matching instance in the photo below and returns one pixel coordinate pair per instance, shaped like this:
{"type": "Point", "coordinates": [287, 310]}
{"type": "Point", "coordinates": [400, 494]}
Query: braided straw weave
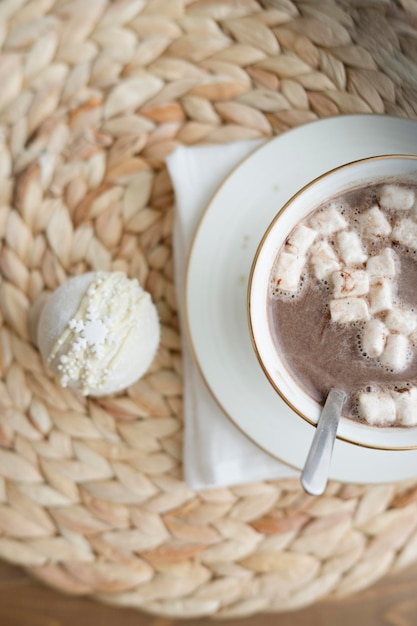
{"type": "Point", "coordinates": [93, 96]}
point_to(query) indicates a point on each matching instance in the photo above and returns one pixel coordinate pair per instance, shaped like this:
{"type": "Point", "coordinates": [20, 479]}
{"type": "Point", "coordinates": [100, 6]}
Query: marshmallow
{"type": "Point", "coordinates": [382, 265]}
{"type": "Point", "coordinates": [406, 406]}
{"type": "Point", "coordinates": [394, 197]}
{"type": "Point", "coordinates": [401, 321]}
{"type": "Point", "coordinates": [374, 336]}
{"type": "Point", "coordinates": [414, 209]}
{"type": "Point", "coordinates": [323, 260]}
{"type": "Point", "coordinates": [374, 224]}
{"type": "Point", "coordinates": [396, 353]}
{"type": "Point", "coordinates": [350, 247]}
{"type": "Point", "coordinates": [328, 221]}
{"type": "Point", "coordinates": [377, 407]}
{"type": "Point", "coordinates": [350, 283]}
{"type": "Point", "coordinates": [300, 240]}
{"type": "Point", "coordinates": [412, 338]}
{"type": "Point", "coordinates": [405, 233]}
{"type": "Point", "coordinates": [380, 293]}
{"type": "Point", "coordinates": [347, 310]}
{"type": "Point", "coordinates": [288, 270]}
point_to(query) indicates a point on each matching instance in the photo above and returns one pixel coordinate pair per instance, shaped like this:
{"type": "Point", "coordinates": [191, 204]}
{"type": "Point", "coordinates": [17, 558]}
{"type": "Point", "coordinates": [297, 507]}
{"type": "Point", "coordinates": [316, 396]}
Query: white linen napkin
{"type": "Point", "coordinates": [216, 453]}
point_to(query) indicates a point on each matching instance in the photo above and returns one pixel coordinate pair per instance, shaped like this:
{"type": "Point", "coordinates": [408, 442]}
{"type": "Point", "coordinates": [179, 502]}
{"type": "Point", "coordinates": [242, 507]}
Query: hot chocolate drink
{"type": "Point", "coordinates": [342, 304]}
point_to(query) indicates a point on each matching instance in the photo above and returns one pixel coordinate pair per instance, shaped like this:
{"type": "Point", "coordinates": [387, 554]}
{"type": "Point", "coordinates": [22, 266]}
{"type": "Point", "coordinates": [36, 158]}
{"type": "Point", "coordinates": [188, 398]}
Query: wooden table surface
{"type": "Point", "coordinates": [24, 602]}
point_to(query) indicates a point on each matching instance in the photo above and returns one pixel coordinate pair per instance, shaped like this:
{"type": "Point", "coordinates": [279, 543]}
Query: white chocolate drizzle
{"type": "Point", "coordinates": [85, 352]}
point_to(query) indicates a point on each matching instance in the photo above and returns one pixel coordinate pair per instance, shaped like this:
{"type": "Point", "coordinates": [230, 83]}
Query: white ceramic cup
{"type": "Point", "coordinates": [383, 169]}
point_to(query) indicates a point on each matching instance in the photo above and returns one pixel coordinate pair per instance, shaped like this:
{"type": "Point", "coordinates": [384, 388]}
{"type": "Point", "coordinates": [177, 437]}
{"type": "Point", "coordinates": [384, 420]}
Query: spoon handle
{"type": "Point", "coordinates": [316, 469]}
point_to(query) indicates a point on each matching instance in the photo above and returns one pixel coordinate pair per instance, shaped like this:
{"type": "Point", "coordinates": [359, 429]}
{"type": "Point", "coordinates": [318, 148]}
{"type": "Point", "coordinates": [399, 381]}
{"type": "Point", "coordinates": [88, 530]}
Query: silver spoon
{"type": "Point", "coordinates": [316, 469]}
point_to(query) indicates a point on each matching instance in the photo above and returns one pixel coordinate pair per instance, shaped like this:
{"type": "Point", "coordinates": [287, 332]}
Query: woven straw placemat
{"type": "Point", "coordinates": [93, 96]}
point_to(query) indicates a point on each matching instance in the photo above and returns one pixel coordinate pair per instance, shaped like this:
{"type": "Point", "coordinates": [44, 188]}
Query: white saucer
{"type": "Point", "coordinates": [216, 285]}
